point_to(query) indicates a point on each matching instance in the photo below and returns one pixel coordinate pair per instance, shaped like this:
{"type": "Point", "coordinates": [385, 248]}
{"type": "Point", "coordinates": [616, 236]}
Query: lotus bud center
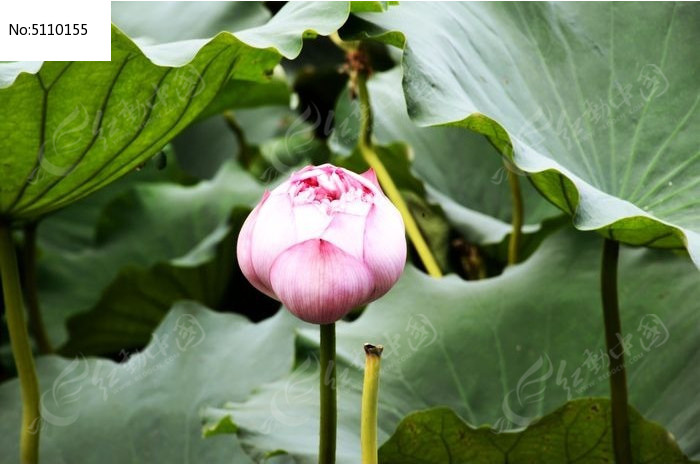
{"type": "Point", "coordinates": [332, 191]}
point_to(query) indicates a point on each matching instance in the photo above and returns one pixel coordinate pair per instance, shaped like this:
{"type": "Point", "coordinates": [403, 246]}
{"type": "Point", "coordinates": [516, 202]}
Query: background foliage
{"type": "Point", "coordinates": [140, 171]}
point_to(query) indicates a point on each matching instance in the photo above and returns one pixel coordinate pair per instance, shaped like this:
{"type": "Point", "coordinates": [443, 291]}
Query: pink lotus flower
{"type": "Point", "coordinates": [324, 242]}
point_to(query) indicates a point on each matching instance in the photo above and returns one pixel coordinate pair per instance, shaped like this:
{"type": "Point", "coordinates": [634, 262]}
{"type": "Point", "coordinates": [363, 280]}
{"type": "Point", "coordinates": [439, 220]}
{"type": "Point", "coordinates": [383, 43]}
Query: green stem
{"type": "Point", "coordinates": [517, 204]}
{"type": "Point", "coordinates": [329, 419]}
{"type": "Point", "coordinates": [613, 339]}
{"type": "Point", "coordinates": [370, 399]}
{"type": "Point", "coordinates": [31, 292]}
{"type": "Point", "coordinates": [371, 157]}
{"type": "Point", "coordinates": [21, 349]}
{"type": "Point", "coordinates": [346, 46]}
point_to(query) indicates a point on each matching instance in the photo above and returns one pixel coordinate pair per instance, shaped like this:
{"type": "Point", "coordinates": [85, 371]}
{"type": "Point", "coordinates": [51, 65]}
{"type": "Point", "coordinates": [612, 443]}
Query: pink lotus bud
{"type": "Point", "coordinates": [324, 242]}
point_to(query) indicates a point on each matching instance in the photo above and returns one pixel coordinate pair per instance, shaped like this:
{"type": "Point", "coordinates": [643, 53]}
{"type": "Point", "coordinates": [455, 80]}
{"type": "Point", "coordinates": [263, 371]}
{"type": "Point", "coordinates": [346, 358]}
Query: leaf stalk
{"type": "Point", "coordinates": [21, 349]}
{"type": "Point", "coordinates": [614, 340]}
{"type": "Point", "coordinates": [517, 220]}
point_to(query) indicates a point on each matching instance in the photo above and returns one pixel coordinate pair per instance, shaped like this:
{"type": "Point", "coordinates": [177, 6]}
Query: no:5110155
{"type": "Point", "coordinates": [48, 29]}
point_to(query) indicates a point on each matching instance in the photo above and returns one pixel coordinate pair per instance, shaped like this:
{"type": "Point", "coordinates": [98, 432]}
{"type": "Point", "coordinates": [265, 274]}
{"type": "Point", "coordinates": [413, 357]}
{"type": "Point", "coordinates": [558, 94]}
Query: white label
{"type": "Point", "coordinates": [59, 30]}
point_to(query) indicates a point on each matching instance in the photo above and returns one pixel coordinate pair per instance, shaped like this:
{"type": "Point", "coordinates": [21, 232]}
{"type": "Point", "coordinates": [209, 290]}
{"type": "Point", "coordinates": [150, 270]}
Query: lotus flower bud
{"type": "Point", "coordinates": [324, 242]}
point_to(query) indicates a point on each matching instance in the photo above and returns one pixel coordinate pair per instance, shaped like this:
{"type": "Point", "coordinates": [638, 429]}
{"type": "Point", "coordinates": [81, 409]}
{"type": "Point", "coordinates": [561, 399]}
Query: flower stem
{"type": "Point", "coordinates": [31, 292]}
{"type": "Point", "coordinates": [21, 349]}
{"type": "Point", "coordinates": [613, 338]}
{"type": "Point", "coordinates": [371, 157]}
{"type": "Point", "coordinates": [326, 447]}
{"type": "Point", "coordinates": [370, 398]}
{"type": "Point", "coordinates": [517, 204]}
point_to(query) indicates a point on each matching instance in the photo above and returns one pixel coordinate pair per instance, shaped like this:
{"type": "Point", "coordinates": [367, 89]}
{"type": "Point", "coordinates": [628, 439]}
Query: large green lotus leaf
{"type": "Point", "coordinates": [145, 228]}
{"type": "Point", "coordinates": [71, 128]}
{"type": "Point", "coordinates": [502, 351]}
{"type": "Point", "coordinates": [462, 169]}
{"type": "Point", "coordinates": [596, 101]}
{"type": "Point", "coordinates": [163, 22]}
{"type": "Point", "coordinates": [147, 409]}
{"type": "Point", "coordinates": [577, 432]}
